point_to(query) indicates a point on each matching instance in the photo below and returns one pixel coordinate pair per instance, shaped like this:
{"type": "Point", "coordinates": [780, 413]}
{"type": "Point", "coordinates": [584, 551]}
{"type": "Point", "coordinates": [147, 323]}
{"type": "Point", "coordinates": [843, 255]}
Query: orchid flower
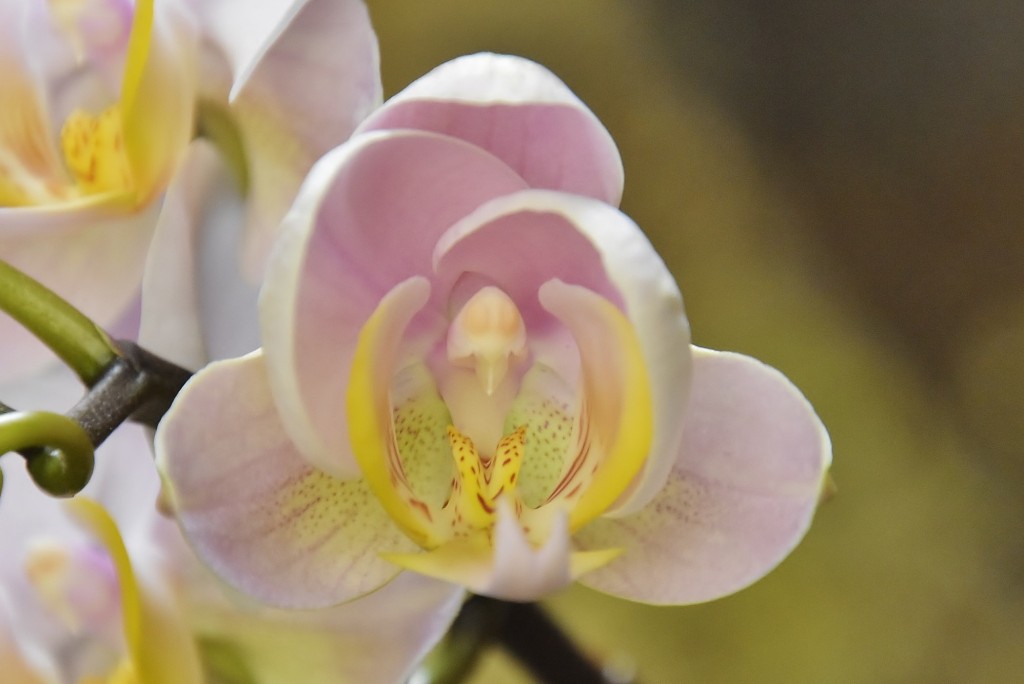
{"type": "Point", "coordinates": [112, 594]}
{"type": "Point", "coordinates": [79, 609]}
{"type": "Point", "coordinates": [102, 99]}
{"type": "Point", "coordinates": [475, 367]}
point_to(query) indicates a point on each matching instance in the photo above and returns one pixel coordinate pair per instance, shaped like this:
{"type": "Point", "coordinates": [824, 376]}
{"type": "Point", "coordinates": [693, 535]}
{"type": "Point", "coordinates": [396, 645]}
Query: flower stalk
{"type": "Point", "coordinates": [69, 333]}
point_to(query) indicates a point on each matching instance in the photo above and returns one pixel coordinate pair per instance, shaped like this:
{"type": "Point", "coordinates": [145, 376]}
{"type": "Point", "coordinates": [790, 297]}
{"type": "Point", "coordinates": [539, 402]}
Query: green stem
{"type": "Point", "coordinates": [79, 342]}
{"type": "Point", "coordinates": [58, 451]}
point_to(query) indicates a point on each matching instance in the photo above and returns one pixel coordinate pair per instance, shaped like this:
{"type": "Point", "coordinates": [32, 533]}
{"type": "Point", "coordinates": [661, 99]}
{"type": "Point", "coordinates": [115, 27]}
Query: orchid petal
{"type": "Point", "coordinates": [377, 639]}
{"type": "Point", "coordinates": [253, 509]}
{"type": "Point", "coordinates": [171, 322]}
{"type": "Point", "coordinates": [499, 244]}
{"type": "Point", "coordinates": [511, 569]}
{"type": "Point", "coordinates": [160, 646]}
{"type": "Point", "coordinates": [591, 244]}
{"type": "Point", "coordinates": [520, 112]}
{"type": "Point", "coordinates": [92, 257]}
{"type": "Point", "coordinates": [741, 495]}
{"type": "Point", "coordinates": [195, 249]}
{"type": "Point", "coordinates": [286, 122]}
{"type": "Point", "coordinates": [366, 219]}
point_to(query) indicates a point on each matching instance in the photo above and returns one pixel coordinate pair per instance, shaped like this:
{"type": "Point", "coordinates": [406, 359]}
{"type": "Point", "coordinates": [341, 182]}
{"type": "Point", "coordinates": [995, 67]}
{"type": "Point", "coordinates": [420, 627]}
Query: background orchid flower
{"type": "Point", "coordinates": [475, 367]}
{"type": "Point", "coordinates": [111, 593]}
{"type": "Point", "coordinates": [77, 607]}
{"type": "Point", "coordinates": [101, 100]}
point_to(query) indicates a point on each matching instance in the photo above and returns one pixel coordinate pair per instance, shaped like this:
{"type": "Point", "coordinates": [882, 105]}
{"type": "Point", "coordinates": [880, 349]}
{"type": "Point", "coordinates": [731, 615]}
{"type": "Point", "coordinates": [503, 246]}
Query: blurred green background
{"type": "Point", "coordinates": [839, 190]}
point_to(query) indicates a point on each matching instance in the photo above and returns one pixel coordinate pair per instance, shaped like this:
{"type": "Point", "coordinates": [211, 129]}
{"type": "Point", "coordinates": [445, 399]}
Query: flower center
{"type": "Point", "coordinates": [93, 149]}
{"type": "Point", "coordinates": [479, 481]}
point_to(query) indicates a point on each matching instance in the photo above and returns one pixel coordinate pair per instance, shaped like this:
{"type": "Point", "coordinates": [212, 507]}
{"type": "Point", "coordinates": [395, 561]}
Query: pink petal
{"type": "Point", "coordinates": [520, 112]}
{"type": "Point", "coordinates": [197, 305]}
{"type": "Point", "coordinates": [302, 94]}
{"type": "Point", "coordinates": [366, 219]}
{"type": "Point", "coordinates": [740, 497]}
{"type": "Point", "coordinates": [91, 255]}
{"type": "Point", "coordinates": [519, 241]}
{"type": "Point", "coordinates": [254, 510]}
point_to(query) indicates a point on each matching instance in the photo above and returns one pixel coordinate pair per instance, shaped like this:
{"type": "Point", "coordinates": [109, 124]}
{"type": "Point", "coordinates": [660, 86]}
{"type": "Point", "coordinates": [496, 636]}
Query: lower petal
{"type": "Point", "coordinates": [254, 509]}
{"type": "Point", "coordinates": [374, 640]}
{"type": "Point", "coordinates": [742, 493]}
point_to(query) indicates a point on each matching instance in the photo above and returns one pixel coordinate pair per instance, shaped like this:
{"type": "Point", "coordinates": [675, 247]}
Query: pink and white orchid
{"type": "Point", "coordinates": [475, 367]}
{"type": "Point", "coordinates": [100, 108]}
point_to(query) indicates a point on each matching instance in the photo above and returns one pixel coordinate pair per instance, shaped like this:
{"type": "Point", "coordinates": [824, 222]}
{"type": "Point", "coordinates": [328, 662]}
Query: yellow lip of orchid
{"type": "Point", "coordinates": [607, 450]}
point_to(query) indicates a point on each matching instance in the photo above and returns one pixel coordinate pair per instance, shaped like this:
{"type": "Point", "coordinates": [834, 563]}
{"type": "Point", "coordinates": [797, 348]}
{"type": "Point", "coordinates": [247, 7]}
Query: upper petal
{"type": "Point", "coordinates": [523, 239]}
{"type": "Point", "coordinates": [254, 510]}
{"type": "Point", "coordinates": [366, 219]}
{"type": "Point", "coordinates": [741, 495]}
{"type": "Point", "coordinates": [520, 112]}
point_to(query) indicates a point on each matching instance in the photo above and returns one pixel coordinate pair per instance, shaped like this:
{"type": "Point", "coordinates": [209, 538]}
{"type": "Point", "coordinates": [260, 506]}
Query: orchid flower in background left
{"type": "Point", "coordinates": [102, 100]}
{"type": "Point", "coordinates": [103, 589]}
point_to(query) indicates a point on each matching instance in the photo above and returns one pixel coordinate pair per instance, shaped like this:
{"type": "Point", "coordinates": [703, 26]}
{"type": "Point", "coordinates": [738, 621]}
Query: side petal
{"type": "Point", "coordinates": [518, 111]}
{"type": "Point", "coordinates": [300, 96]}
{"type": "Point", "coordinates": [741, 495]}
{"type": "Point", "coordinates": [254, 510]}
{"type": "Point", "coordinates": [92, 257]}
{"type": "Point", "coordinates": [519, 241]}
{"type": "Point", "coordinates": [366, 219]}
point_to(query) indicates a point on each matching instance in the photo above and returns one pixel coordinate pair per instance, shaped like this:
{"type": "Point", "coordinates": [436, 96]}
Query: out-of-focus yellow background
{"type": "Point", "coordinates": [839, 190]}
